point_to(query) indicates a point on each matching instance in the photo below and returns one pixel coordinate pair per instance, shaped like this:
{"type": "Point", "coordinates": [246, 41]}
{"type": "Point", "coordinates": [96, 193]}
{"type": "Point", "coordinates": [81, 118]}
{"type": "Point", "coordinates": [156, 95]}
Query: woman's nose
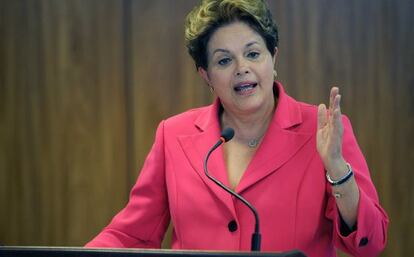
{"type": "Point", "coordinates": [243, 71]}
{"type": "Point", "coordinates": [242, 68]}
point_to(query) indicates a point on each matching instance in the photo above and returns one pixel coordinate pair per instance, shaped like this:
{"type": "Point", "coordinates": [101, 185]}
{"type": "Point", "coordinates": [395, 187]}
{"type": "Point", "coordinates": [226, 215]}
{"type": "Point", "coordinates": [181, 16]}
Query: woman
{"type": "Point", "coordinates": [298, 164]}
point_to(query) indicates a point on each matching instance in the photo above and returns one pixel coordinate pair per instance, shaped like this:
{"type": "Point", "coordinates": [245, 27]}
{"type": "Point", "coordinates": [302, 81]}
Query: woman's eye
{"type": "Point", "coordinates": [224, 61]}
{"type": "Point", "coordinates": [253, 55]}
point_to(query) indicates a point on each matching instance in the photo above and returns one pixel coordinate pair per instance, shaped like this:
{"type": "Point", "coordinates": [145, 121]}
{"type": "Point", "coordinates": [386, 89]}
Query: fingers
{"type": "Point", "coordinates": [333, 117]}
{"type": "Point", "coordinates": [336, 115]}
{"type": "Point", "coordinates": [332, 96]}
{"type": "Point", "coordinates": [322, 116]}
{"type": "Point", "coordinates": [337, 104]}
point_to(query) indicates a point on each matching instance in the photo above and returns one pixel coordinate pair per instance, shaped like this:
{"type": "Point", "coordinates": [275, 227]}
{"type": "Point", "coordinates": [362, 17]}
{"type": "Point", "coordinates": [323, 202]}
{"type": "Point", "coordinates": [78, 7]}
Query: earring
{"type": "Point", "coordinates": [274, 74]}
{"type": "Point", "coordinates": [211, 89]}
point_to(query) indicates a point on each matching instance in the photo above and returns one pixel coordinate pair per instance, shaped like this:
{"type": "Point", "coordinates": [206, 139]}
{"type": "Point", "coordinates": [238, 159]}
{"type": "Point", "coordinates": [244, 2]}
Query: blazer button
{"type": "Point", "coordinates": [232, 226]}
{"type": "Point", "coordinates": [363, 242]}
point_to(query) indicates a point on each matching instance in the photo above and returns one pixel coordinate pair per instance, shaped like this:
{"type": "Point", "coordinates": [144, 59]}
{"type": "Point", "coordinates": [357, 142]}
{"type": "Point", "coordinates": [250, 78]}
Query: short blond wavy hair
{"type": "Point", "coordinates": [210, 15]}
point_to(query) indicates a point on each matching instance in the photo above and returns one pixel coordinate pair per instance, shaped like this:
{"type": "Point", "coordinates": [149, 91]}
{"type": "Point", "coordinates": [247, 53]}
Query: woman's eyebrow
{"type": "Point", "coordinates": [251, 43]}
{"type": "Point", "coordinates": [220, 50]}
{"type": "Point", "coordinates": [227, 51]}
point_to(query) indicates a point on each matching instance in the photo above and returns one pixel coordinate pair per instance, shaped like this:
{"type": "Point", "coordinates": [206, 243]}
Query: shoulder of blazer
{"type": "Point", "coordinates": [189, 121]}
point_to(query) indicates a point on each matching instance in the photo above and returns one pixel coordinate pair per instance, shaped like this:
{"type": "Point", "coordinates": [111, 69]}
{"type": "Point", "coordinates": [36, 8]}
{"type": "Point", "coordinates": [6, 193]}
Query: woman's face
{"type": "Point", "coordinates": [240, 69]}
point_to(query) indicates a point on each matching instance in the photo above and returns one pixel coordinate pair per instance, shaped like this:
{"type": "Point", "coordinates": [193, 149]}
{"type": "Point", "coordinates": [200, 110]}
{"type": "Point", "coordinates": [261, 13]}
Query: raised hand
{"type": "Point", "coordinates": [329, 135]}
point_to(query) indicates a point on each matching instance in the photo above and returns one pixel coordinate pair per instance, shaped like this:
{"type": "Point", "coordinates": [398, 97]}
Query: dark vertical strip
{"type": "Point", "coordinates": [128, 90]}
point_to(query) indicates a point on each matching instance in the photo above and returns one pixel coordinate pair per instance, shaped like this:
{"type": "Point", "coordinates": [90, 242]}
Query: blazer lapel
{"type": "Point", "coordinates": [196, 147]}
{"type": "Point", "coordinates": [278, 147]}
{"type": "Point", "coordinates": [279, 144]}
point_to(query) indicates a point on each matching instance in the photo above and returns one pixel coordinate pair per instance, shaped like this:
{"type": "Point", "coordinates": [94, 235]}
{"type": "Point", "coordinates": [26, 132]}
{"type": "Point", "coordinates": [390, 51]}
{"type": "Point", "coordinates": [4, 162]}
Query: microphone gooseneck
{"type": "Point", "coordinates": [226, 135]}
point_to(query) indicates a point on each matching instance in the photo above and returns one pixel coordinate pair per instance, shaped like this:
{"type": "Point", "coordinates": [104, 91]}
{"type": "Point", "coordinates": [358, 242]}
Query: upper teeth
{"type": "Point", "coordinates": [244, 87]}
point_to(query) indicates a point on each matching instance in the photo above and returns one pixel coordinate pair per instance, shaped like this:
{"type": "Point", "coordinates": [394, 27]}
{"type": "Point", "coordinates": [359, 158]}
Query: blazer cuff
{"type": "Point", "coordinates": [369, 236]}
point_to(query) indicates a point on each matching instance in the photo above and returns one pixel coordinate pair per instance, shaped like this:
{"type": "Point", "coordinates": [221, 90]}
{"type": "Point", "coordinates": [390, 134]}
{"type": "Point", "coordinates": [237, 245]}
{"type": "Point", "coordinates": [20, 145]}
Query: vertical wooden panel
{"type": "Point", "coordinates": [64, 125]}
{"type": "Point", "coordinates": [163, 75]}
{"type": "Point", "coordinates": [399, 69]}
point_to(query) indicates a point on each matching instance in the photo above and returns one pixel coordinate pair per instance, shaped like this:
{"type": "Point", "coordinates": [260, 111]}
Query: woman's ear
{"type": "Point", "coordinates": [275, 56]}
{"type": "Point", "coordinates": [204, 75]}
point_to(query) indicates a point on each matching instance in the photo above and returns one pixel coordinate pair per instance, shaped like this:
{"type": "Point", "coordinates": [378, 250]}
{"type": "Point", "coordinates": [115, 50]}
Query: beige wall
{"type": "Point", "coordinates": [84, 83]}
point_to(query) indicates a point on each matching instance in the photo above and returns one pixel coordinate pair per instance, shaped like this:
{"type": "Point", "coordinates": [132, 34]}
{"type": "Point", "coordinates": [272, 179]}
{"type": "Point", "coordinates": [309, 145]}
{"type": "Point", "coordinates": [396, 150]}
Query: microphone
{"type": "Point", "coordinates": [226, 135]}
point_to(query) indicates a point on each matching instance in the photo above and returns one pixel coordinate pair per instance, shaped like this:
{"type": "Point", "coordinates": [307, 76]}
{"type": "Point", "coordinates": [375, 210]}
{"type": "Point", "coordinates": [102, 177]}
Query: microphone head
{"type": "Point", "coordinates": [227, 134]}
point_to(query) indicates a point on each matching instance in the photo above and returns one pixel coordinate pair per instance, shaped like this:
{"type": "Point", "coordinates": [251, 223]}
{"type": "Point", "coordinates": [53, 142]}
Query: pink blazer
{"type": "Point", "coordinates": [285, 181]}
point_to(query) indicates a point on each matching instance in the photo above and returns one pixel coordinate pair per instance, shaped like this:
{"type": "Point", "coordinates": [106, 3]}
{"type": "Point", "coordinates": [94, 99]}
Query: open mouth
{"type": "Point", "coordinates": [245, 87]}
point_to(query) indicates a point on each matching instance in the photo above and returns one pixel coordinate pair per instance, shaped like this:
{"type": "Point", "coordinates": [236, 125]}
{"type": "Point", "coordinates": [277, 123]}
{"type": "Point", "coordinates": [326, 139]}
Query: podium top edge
{"type": "Point", "coordinates": [56, 251]}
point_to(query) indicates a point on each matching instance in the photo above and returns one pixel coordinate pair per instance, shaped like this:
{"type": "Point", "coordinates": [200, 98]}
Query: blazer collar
{"type": "Point", "coordinates": [278, 145]}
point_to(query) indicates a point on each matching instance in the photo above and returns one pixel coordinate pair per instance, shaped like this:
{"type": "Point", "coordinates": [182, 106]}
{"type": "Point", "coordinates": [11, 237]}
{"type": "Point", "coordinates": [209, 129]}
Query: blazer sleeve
{"type": "Point", "coordinates": [144, 220]}
{"type": "Point", "coordinates": [369, 236]}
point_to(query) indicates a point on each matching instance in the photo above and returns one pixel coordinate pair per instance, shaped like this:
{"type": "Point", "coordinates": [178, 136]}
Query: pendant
{"type": "Point", "coordinates": [253, 143]}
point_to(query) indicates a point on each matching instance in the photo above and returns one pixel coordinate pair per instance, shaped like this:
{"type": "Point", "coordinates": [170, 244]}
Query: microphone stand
{"type": "Point", "coordinates": [256, 237]}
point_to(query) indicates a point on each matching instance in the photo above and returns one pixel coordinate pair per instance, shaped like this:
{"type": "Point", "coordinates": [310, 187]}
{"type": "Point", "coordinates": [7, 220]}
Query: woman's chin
{"type": "Point", "coordinates": [251, 104]}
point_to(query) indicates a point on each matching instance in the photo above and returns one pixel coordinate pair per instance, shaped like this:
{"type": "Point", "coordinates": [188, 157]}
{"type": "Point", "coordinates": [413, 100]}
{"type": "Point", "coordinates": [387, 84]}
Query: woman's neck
{"type": "Point", "coordinates": [249, 127]}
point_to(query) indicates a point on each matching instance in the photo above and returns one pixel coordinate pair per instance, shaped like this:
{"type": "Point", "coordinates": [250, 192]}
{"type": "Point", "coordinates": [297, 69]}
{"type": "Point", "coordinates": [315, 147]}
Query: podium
{"type": "Point", "coordinates": [26, 251]}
